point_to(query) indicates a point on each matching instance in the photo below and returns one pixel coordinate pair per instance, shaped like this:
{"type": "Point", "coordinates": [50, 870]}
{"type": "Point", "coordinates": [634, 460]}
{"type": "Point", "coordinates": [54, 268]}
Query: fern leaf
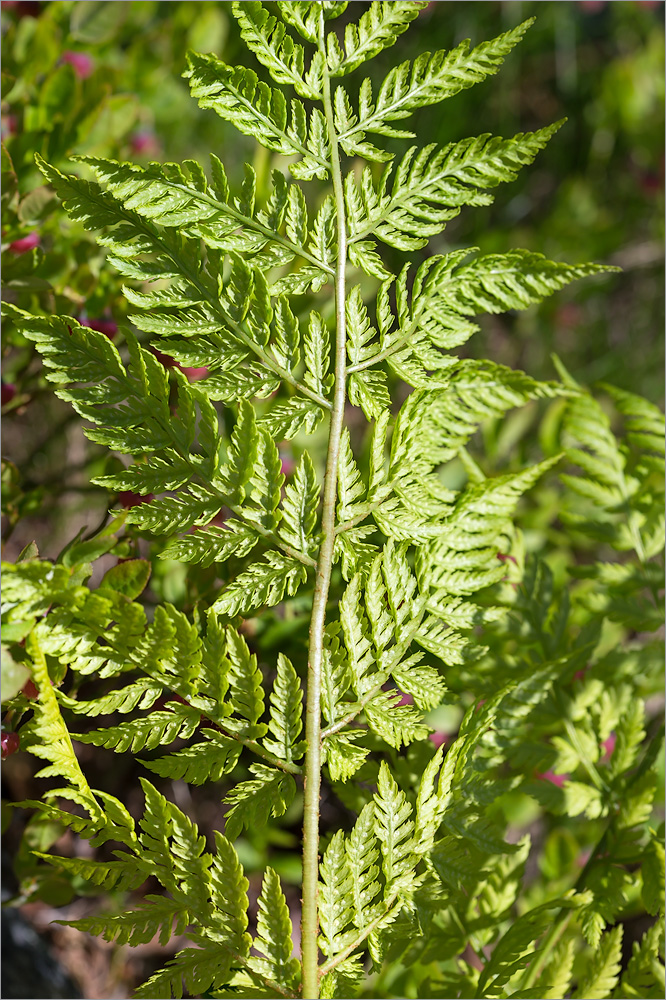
{"type": "Point", "coordinates": [156, 729]}
{"type": "Point", "coordinates": [602, 975]}
{"type": "Point", "coordinates": [431, 185]}
{"type": "Point", "coordinates": [121, 875]}
{"type": "Point", "coordinates": [201, 762]}
{"type": "Point", "coordinates": [363, 857]}
{"type": "Point", "coordinates": [245, 683]}
{"type": "Point", "coordinates": [343, 755]}
{"type": "Point", "coordinates": [429, 80]}
{"type": "Point", "coordinates": [229, 896]}
{"type": "Point", "coordinates": [336, 897]}
{"type": "Point", "coordinates": [273, 938]}
{"type": "Point", "coordinates": [317, 355]}
{"type": "Point", "coordinates": [276, 49]}
{"type": "Point", "coordinates": [264, 582]}
{"type": "Point", "coordinates": [257, 110]}
{"type": "Point", "coordinates": [52, 740]}
{"type": "Point", "coordinates": [159, 918]}
{"type": "Point", "coordinates": [212, 544]}
{"type": "Point", "coordinates": [268, 793]}
{"type": "Point", "coordinates": [285, 723]}
{"type": "Point", "coordinates": [299, 507]}
{"type": "Point", "coordinates": [377, 28]}
{"type": "Point", "coordinates": [395, 829]}
{"type": "Point", "coordinates": [350, 484]}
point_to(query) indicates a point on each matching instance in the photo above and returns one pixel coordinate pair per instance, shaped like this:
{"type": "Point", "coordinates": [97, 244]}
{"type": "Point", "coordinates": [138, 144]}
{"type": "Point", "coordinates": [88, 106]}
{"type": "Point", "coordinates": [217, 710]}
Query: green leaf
{"type": "Point", "coordinates": [601, 976]}
{"type": "Point", "coordinates": [252, 802]}
{"type": "Point", "coordinates": [284, 58]}
{"type": "Point", "coordinates": [260, 111]}
{"type": "Point", "coordinates": [245, 683]}
{"type": "Point", "coordinates": [265, 582]}
{"type": "Point", "coordinates": [299, 507]}
{"type": "Point", "coordinates": [273, 939]}
{"type": "Point", "coordinates": [201, 762]}
{"type": "Point", "coordinates": [395, 829]}
{"type": "Point", "coordinates": [377, 28]}
{"type": "Point", "coordinates": [285, 722]}
{"type": "Point", "coordinates": [146, 733]}
{"type": "Point", "coordinates": [128, 578]}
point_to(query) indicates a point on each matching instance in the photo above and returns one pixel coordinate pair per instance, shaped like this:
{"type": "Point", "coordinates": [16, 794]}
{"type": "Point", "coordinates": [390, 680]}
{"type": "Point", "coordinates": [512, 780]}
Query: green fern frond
{"type": "Point", "coordinates": [259, 110]}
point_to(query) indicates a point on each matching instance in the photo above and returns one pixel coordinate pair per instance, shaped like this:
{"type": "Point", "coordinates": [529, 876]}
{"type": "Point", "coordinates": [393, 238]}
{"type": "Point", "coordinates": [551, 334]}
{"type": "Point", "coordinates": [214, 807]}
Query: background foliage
{"type": "Point", "coordinates": [104, 79]}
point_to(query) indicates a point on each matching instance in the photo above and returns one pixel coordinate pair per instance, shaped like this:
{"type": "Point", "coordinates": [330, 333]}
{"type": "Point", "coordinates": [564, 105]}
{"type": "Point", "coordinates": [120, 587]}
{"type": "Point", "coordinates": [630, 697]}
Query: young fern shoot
{"type": "Point", "coordinates": [389, 558]}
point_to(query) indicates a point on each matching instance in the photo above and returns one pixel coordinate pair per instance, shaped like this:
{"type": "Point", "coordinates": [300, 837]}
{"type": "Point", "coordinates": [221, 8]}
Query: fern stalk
{"type": "Point", "coordinates": [312, 767]}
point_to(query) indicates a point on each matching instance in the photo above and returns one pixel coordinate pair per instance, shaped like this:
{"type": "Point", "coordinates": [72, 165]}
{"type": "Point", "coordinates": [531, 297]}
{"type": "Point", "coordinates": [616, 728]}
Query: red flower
{"type": "Point", "coordinates": [8, 392]}
{"type": "Point", "coordinates": [106, 326]}
{"type": "Point", "coordinates": [25, 243]}
{"type": "Point", "coordinates": [29, 689]}
{"type": "Point", "coordinates": [80, 62]}
{"type": "Point", "coordinates": [10, 743]}
{"type": "Point", "coordinates": [128, 498]}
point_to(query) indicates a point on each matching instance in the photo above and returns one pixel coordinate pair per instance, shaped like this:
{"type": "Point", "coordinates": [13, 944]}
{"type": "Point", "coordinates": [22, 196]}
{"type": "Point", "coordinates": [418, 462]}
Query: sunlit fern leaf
{"type": "Point", "coordinates": [276, 49]}
{"type": "Point", "coordinates": [200, 762]}
{"type": "Point", "coordinates": [146, 733]}
{"type": "Point", "coordinates": [261, 111]}
{"type": "Point", "coordinates": [159, 917]}
{"type": "Point", "coordinates": [263, 583]}
{"type": "Point", "coordinates": [377, 28]}
{"type": "Point", "coordinates": [428, 80]}
{"type": "Point", "coordinates": [285, 723]}
{"type": "Point", "coordinates": [269, 793]}
{"type": "Point", "coordinates": [273, 937]}
{"type": "Point", "coordinates": [601, 977]}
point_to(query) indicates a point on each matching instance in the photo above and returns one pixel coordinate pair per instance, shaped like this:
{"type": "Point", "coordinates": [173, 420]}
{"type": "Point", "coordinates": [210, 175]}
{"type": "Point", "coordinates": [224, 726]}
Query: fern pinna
{"type": "Point", "coordinates": [293, 309]}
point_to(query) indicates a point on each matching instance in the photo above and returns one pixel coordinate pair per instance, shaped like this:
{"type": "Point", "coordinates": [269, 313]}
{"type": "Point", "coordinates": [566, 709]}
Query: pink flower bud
{"type": "Point", "coordinates": [8, 392]}
{"type": "Point", "coordinates": [25, 243]}
{"type": "Point", "coordinates": [194, 374]}
{"type": "Point", "coordinates": [145, 144]}
{"type": "Point", "coordinates": [555, 779]}
{"type": "Point", "coordinates": [9, 743]}
{"type": "Point", "coordinates": [608, 746]}
{"type": "Point", "coordinates": [438, 738]}
{"type": "Point", "coordinates": [81, 63]}
{"type": "Point", "coordinates": [128, 498]}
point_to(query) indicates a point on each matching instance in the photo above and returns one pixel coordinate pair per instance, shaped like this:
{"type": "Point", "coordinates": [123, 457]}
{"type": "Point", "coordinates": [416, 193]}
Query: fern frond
{"type": "Point", "coordinates": [601, 977]}
{"type": "Point", "coordinates": [377, 28]}
{"type": "Point", "coordinates": [159, 917]}
{"type": "Point", "coordinates": [431, 185]}
{"type": "Point", "coordinates": [276, 49]}
{"type": "Point", "coordinates": [428, 80]}
{"type": "Point", "coordinates": [260, 111]}
{"type": "Point", "coordinates": [285, 723]}
{"type": "Point", "coordinates": [156, 729]}
{"type": "Point", "coordinates": [269, 793]}
{"type": "Point", "coordinates": [273, 937]}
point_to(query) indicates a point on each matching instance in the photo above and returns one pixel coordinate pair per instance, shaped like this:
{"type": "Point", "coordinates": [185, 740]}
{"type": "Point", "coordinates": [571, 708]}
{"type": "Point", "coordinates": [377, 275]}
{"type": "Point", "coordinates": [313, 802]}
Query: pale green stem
{"type": "Point", "coordinates": [312, 768]}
